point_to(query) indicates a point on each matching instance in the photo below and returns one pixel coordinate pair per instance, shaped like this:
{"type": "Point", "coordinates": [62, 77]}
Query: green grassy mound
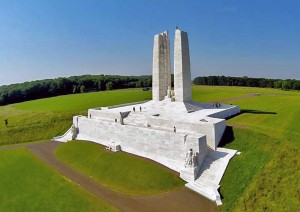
{"type": "Point", "coordinates": [120, 171]}
{"type": "Point", "coordinates": [27, 184]}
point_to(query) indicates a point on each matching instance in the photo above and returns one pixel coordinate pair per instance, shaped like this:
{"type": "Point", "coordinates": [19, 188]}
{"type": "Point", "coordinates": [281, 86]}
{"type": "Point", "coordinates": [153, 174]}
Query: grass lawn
{"type": "Point", "coordinates": [120, 171]}
{"type": "Point", "coordinates": [82, 102]}
{"type": "Point", "coordinates": [215, 93]}
{"type": "Point", "coordinates": [27, 184]}
{"type": "Point", "coordinates": [278, 116]}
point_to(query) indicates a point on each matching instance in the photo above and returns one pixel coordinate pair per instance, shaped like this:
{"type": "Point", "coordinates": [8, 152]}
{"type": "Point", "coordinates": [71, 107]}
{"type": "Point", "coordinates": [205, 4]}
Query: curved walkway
{"type": "Point", "coordinates": [179, 200]}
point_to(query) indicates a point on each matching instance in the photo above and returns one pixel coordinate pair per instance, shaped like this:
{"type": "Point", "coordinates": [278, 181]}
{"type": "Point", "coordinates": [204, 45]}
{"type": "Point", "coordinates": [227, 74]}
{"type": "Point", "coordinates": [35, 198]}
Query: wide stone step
{"type": "Point", "coordinates": [209, 178]}
{"type": "Point", "coordinates": [208, 171]}
{"type": "Point", "coordinates": [204, 184]}
{"type": "Point", "coordinates": [213, 161]}
{"type": "Point", "coordinates": [210, 168]}
{"type": "Point", "coordinates": [204, 191]}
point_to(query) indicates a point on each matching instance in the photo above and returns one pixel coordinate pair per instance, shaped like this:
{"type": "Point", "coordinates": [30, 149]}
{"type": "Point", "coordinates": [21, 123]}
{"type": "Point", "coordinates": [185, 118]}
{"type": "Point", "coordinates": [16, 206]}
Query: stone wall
{"type": "Point", "coordinates": [167, 148]}
{"type": "Point", "coordinates": [212, 130]}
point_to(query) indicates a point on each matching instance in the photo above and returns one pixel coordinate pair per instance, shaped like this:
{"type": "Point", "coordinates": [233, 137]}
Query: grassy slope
{"type": "Point", "coordinates": [277, 185]}
{"type": "Point", "coordinates": [119, 171]}
{"type": "Point", "coordinates": [268, 176]}
{"type": "Point", "coordinates": [82, 102]}
{"type": "Point", "coordinates": [45, 118]}
{"type": "Point", "coordinates": [27, 184]}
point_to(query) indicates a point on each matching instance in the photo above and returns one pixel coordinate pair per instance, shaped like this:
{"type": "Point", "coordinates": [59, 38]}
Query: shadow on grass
{"type": "Point", "coordinates": [221, 196]}
{"type": "Point", "coordinates": [252, 112]}
{"type": "Point", "coordinates": [228, 136]}
{"type": "Point", "coordinates": [257, 112]}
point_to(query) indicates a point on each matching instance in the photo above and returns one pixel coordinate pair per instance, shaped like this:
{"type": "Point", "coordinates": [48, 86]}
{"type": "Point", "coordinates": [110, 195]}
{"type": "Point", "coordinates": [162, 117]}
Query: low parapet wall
{"type": "Point", "coordinates": [127, 104]}
{"type": "Point", "coordinates": [229, 112]}
{"type": "Point", "coordinates": [98, 113]}
{"type": "Point", "coordinates": [167, 148]}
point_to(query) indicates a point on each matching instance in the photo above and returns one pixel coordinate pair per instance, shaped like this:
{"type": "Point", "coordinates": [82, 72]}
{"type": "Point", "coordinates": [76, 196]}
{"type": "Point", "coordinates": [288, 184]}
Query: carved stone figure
{"type": "Point", "coordinates": [169, 92]}
{"type": "Point", "coordinates": [189, 159]}
{"type": "Point", "coordinates": [123, 115]}
{"type": "Point", "coordinates": [73, 131]}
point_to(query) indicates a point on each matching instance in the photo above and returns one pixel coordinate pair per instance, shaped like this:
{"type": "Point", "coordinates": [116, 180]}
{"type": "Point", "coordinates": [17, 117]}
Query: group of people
{"type": "Point", "coordinates": [216, 104]}
{"type": "Point", "coordinates": [134, 109]}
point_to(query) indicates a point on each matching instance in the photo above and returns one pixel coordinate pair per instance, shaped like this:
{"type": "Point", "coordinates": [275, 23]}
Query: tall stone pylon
{"type": "Point", "coordinates": [161, 74]}
{"type": "Point", "coordinates": [182, 70]}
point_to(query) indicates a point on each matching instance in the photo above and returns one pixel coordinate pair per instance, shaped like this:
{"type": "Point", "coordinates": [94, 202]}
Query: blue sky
{"type": "Point", "coordinates": [51, 38]}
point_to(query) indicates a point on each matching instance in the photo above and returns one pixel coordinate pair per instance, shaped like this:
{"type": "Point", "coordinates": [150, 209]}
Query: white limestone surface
{"type": "Point", "coordinates": [149, 132]}
{"type": "Point", "coordinates": [187, 117]}
{"type": "Point", "coordinates": [65, 137]}
{"type": "Point", "coordinates": [165, 147]}
{"type": "Point", "coordinates": [182, 70]}
{"type": "Point", "coordinates": [161, 73]}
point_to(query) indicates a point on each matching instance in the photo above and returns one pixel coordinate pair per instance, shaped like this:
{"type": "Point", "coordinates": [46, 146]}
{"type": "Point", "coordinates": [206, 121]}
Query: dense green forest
{"type": "Point", "coordinates": [87, 83]}
{"type": "Point", "coordinates": [76, 84]}
{"type": "Point", "coordinates": [289, 84]}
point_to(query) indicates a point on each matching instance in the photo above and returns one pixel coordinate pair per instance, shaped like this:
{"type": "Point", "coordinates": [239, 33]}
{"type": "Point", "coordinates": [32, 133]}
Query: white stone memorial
{"type": "Point", "coordinates": [170, 129]}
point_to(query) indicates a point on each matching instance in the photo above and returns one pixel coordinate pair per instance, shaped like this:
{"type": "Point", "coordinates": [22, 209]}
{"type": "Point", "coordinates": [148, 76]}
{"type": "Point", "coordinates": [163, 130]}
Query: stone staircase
{"type": "Point", "coordinates": [210, 174]}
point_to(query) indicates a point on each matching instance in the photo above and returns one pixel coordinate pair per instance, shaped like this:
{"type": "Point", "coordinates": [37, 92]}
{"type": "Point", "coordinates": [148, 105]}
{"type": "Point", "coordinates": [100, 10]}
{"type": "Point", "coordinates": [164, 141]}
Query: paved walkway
{"type": "Point", "coordinates": [179, 200]}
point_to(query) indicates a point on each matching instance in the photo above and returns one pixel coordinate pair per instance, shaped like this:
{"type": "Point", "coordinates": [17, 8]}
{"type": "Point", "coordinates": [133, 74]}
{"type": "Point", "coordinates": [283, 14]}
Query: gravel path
{"type": "Point", "coordinates": [179, 200]}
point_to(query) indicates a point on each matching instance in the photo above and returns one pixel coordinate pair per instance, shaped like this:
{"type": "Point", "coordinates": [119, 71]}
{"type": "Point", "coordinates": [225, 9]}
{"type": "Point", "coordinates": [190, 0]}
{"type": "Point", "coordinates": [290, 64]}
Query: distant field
{"type": "Point", "coordinates": [82, 102]}
{"type": "Point", "coordinates": [45, 118]}
{"type": "Point", "coordinates": [27, 184]}
{"type": "Point", "coordinates": [215, 93]}
{"type": "Point", "coordinates": [120, 171]}
{"type": "Point", "coordinates": [264, 177]}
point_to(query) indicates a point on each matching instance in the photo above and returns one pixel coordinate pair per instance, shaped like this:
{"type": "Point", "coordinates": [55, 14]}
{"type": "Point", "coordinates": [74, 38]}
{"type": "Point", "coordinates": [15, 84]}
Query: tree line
{"type": "Point", "coordinates": [87, 83]}
{"type": "Point", "coordinates": [69, 85]}
{"type": "Point", "coordinates": [289, 84]}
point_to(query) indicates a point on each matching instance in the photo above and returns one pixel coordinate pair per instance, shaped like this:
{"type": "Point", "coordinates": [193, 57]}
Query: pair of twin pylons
{"type": "Point", "coordinates": [161, 74]}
